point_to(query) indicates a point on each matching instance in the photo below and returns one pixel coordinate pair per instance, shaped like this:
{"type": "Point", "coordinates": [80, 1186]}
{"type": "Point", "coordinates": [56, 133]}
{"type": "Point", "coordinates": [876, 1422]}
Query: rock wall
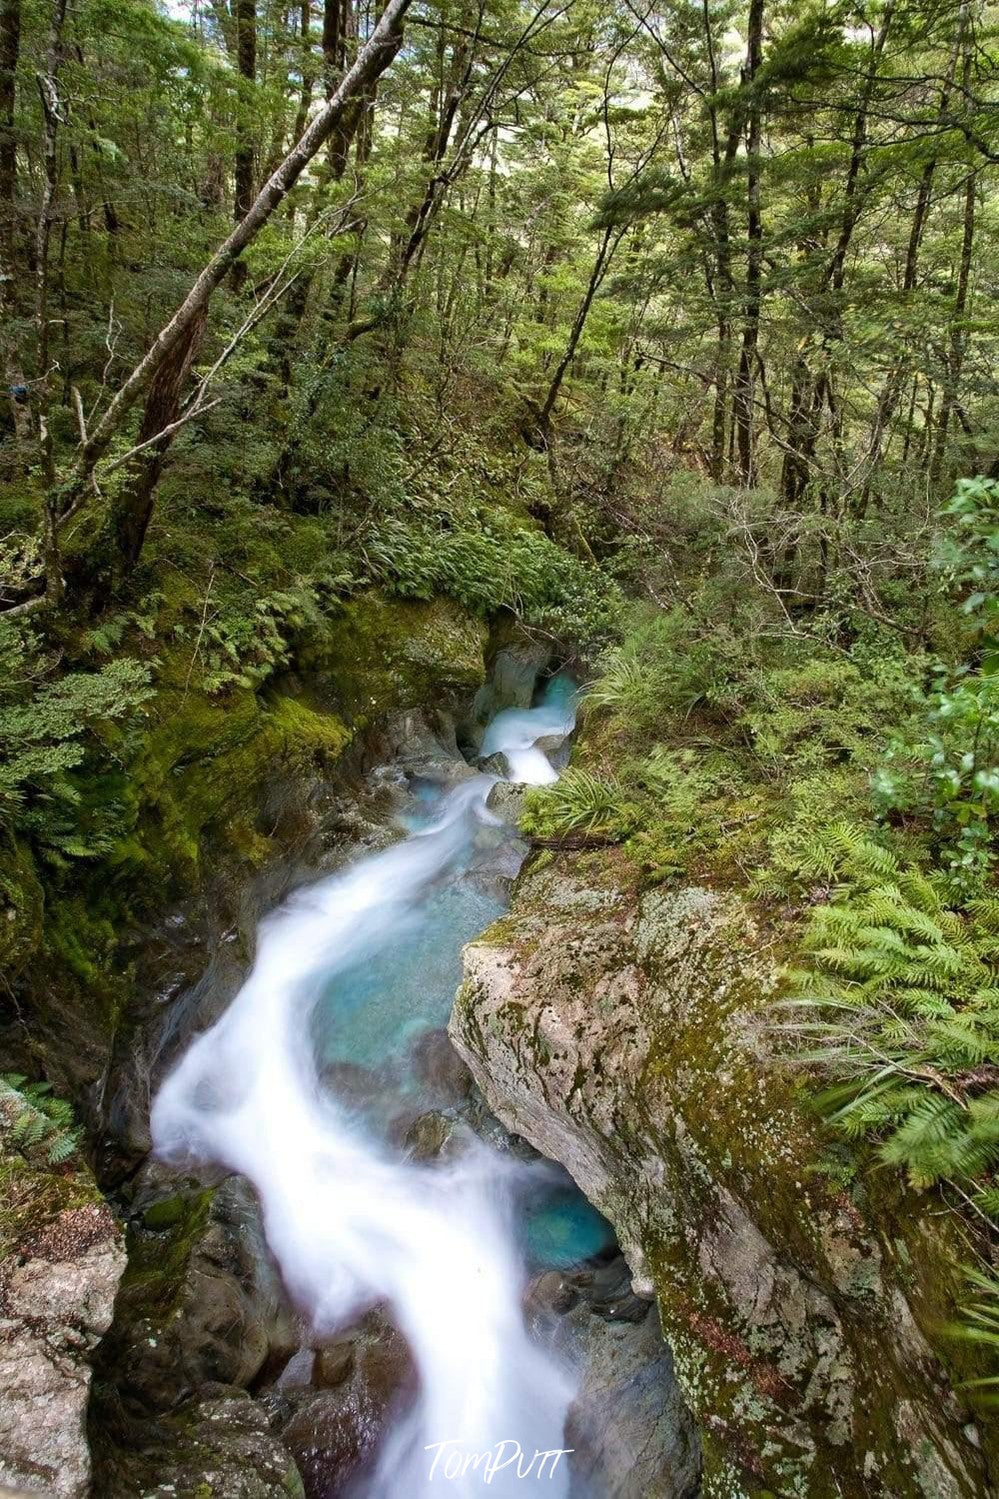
{"type": "Point", "coordinates": [624, 1035]}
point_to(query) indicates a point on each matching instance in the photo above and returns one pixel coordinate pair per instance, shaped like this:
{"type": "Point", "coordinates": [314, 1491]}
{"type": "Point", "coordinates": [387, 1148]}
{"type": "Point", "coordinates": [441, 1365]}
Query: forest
{"type": "Point", "coordinates": [665, 332]}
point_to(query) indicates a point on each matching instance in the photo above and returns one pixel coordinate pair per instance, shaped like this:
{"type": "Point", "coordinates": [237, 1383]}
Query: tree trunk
{"type": "Point", "coordinates": [958, 336]}
{"type": "Point", "coordinates": [745, 383]}
{"type": "Point", "coordinates": [12, 365]}
{"type": "Point", "coordinates": [134, 507]}
{"type": "Point", "coordinates": [746, 376]}
{"type": "Point", "coordinates": [246, 68]}
{"type": "Point", "coordinates": [608, 245]}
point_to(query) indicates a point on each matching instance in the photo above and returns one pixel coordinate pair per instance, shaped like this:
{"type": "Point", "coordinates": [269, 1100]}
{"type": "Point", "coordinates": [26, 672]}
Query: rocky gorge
{"type": "Point", "coordinates": [765, 1327]}
{"type": "Point", "coordinates": [184, 1368]}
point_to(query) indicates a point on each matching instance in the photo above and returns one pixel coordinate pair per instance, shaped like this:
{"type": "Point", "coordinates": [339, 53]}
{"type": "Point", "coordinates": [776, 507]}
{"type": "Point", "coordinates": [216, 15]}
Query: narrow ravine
{"type": "Point", "coordinates": [305, 1085]}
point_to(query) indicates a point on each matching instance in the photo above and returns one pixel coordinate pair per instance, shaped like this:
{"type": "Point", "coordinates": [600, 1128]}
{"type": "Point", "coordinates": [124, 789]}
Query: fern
{"type": "Point", "coordinates": [898, 1002]}
{"type": "Point", "coordinates": [36, 1121]}
{"type": "Point", "coordinates": [579, 802]}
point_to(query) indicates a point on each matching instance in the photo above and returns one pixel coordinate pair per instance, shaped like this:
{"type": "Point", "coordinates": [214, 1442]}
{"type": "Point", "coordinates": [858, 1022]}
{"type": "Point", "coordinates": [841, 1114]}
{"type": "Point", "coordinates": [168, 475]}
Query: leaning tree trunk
{"type": "Point", "coordinates": [132, 515]}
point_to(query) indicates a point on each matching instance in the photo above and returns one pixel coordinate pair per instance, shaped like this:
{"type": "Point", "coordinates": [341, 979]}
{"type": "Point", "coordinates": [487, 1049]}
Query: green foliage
{"type": "Point", "coordinates": [899, 1004]}
{"type": "Point", "coordinates": [488, 560]}
{"type": "Point", "coordinates": [670, 666]}
{"type": "Point", "coordinates": [578, 803]}
{"type": "Point", "coordinates": [979, 1325]}
{"type": "Point", "coordinates": [37, 1123]}
{"type": "Point", "coordinates": [948, 770]}
{"type": "Point", "coordinates": [48, 724]}
{"type": "Point", "coordinates": [740, 750]}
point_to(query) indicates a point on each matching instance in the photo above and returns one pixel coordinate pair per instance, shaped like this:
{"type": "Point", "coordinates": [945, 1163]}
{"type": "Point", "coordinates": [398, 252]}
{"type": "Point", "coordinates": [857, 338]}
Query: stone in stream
{"type": "Point", "coordinates": [362, 1381]}
{"type": "Point", "coordinates": [438, 1067]}
{"type": "Point", "coordinates": [199, 1316]}
{"type": "Point", "coordinates": [630, 1431]}
{"type": "Point", "coordinates": [221, 1445]}
{"type": "Point", "coordinates": [506, 800]}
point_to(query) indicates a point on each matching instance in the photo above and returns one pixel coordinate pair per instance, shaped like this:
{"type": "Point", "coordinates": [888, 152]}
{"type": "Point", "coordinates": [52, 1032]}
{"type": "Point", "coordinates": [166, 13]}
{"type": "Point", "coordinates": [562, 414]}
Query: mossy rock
{"type": "Point", "coordinates": [382, 655]}
{"type": "Point", "coordinates": [629, 1036]}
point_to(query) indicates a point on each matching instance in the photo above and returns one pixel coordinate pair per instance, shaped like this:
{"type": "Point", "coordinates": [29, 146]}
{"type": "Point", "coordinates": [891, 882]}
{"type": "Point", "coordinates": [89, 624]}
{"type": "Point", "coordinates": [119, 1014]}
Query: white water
{"type": "Point", "coordinates": [348, 1224]}
{"type": "Point", "coordinates": [514, 734]}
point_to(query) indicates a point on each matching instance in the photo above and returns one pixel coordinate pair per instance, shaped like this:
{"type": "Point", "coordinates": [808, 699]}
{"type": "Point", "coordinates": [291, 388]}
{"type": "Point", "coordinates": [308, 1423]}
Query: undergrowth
{"type": "Point", "coordinates": [37, 1123]}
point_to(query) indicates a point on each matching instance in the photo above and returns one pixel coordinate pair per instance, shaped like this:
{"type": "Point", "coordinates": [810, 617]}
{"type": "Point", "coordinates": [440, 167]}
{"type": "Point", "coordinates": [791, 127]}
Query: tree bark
{"type": "Point", "coordinates": [958, 335]}
{"type": "Point", "coordinates": [745, 382]}
{"type": "Point", "coordinates": [12, 366]}
{"type": "Point", "coordinates": [246, 63]}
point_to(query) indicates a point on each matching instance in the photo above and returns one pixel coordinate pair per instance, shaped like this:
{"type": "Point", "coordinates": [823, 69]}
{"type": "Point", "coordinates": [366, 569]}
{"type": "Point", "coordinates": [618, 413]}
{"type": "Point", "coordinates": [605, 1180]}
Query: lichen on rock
{"type": "Point", "coordinates": [61, 1259]}
{"type": "Point", "coordinates": [627, 1036]}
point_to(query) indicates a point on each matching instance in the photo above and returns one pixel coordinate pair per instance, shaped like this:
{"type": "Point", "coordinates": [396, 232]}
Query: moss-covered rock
{"type": "Point", "coordinates": [627, 1036]}
{"type": "Point", "coordinates": [61, 1258]}
{"type": "Point", "coordinates": [381, 655]}
{"type": "Point", "coordinates": [22, 907]}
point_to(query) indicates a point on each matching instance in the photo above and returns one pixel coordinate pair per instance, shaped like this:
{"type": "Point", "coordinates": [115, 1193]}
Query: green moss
{"type": "Point", "coordinates": [22, 907]}
{"type": "Point", "coordinates": [32, 1197]}
{"type": "Point", "coordinates": [380, 654]}
{"type": "Point", "coordinates": [159, 1252]}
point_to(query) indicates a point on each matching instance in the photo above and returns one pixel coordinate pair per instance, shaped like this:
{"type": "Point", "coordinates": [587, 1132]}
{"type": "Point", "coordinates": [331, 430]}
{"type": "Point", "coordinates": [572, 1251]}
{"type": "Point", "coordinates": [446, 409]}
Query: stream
{"type": "Point", "coordinates": [307, 1085]}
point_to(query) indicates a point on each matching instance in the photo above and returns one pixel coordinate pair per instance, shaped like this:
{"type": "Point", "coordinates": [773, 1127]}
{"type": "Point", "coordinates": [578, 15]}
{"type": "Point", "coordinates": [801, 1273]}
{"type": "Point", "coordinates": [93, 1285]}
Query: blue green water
{"type": "Point", "coordinates": [372, 1011]}
{"type": "Point", "coordinates": [561, 1229]}
{"type": "Point", "coordinates": [372, 1015]}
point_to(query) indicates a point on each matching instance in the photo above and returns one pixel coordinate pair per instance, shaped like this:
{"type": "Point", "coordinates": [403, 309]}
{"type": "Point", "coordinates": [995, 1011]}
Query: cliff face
{"type": "Point", "coordinates": [624, 1035]}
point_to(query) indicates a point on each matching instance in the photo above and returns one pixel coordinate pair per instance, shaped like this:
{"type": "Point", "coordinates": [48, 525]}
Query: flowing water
{"type": "Point", "coordinates": [348, 973]}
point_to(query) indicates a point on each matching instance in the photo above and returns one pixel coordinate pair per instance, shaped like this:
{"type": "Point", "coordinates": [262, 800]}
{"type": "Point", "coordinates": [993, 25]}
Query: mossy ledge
{"type": "Point", "coordinates": [219, 791]}
{"type": "Point", "coordinates": [628, 1036]}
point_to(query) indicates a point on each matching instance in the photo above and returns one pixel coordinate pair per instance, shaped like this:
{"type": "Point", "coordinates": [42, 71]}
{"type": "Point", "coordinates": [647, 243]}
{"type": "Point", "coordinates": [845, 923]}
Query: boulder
{"type": "Point", "coordinates": [628, 1036]}
{"type": "Point", "coordinates": [219, 1444]}
{"type": "Point", "coordinates": [361, 1382]}
{"type": "Point", "coordinates": [61, 1259]}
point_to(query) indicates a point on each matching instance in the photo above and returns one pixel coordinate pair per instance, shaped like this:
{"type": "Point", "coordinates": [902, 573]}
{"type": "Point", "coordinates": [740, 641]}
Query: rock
{"type": "Point", "coordinates": [439, 1068]}
{"type": "Point", "coordinates": [362, 1380]}
{"type": "Point", "coordinates": [625, 1036]}
{"type": "Point", "coordinates": [61, 1258]}
{"type": "Point", "coordinates": [549, 1293]}
{"type": "Point", "coordinates": [428, 1136]}
{"type": "Point", "coordinates": [200, 1311]}
{"type": "Point", "coordinates": [506, 799]}
{"type": "Point", "coordinates": [632, 1435]}
{"type": "Point", "coordinates": [219, 1445]}
{"type": "Point", "coordinates": [493, 765]}
{"type": "Point", "coordinates": [201, 1302]}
